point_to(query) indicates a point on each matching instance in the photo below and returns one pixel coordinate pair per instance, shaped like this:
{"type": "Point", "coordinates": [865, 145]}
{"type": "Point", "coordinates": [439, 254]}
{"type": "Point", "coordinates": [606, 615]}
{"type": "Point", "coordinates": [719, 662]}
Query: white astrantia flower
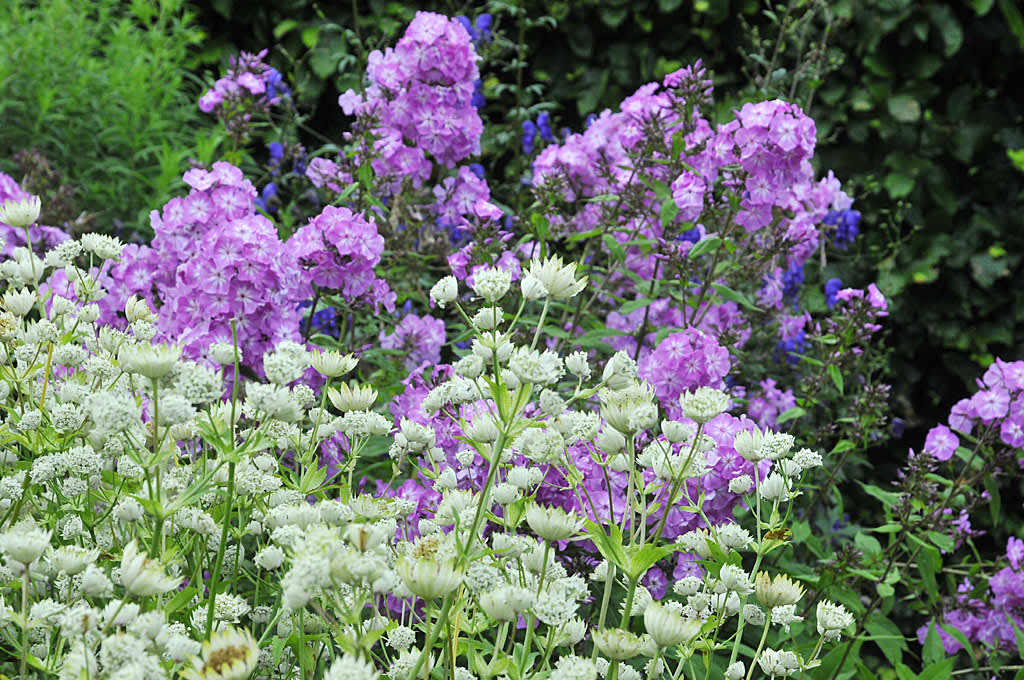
{"type": "Point", "coordinates": [748, 444]}
{"type": "Point", "coordinates": [620, 371]}
{"type": "Point", "coordinates": [617, 644]}
{"type": "Point", "coordinates": [667, 628]}
{"type": "Point", "coordinates": [142, 576]}
{"type": "Point", "coordinates": [629, 409]}
{"type": "Point", "coordinates": [492, 283]}
{"type": "Point", "coordinates": [349, 667]}
{"type": "Point", "coordinates": [736, 671]}
{"type": "Point", "coordinates": [532, 366]}
{"type": "Point", "coordinates": [807, 459]}
{"type": "Point", "coordinates": [559, 281]}
{"type": "Point", "coordinates": [445, 291]}
{"type": "Point", "coordinates": [732, 536]}
{"type": "Point", "coordinates": [778, 591]}
{"type": "Point", "coordinates": [22, 213]}
{"type": "Point", "coordinates": [774, 487]}
{"type": "Point", "coordinates": [741, 484]}
{"type": "Point", "coordinates": [102, 246]}
{"type": "Point", "coordinates": [20, 302]}
{"type": "Point", "coordinates": [704, 403]}
{"type": "Point", "coordinates": [775, 445]}
{"type": "Point", "coordinates": [150, 361]}
{"type": "Point", "coordinates": [427, 578]}
{"type": "Point", "coordinates": [785, 615]}
{"type": "Point", "coordinates": [533, 288]}
{"type": "Point", "coordinates": [753, 615]}
{"type": "Point", "coordinates": [552, 523]}
{"type": "Point", "coordinates": [24, 543]}
{"type": "Point", "coordinates": [72, 559]}
{"type": "Point", "coordinates": [229, 654]}
{"type": "Point", "coordinates": [357, 398]}
{"type": "Point", "coordinates": [224, 353]}
{"type": "Point", "coordinates": [832, 620]}
{"type": "Point", "coordinates": [331, 364]}
{"type": "Point", "coordinates": [574, 667]}
{"type": "Point", "coordinates": [735, 579]}
{"type": "Point", "coordinates": [778, 664]}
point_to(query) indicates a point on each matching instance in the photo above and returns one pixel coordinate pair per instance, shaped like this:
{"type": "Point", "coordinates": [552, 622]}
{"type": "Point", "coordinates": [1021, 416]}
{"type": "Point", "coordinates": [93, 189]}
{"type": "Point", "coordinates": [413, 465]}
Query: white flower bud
{"type": "Point", "coordinates": [445, 291]}
{"type": "Point", "coordinates": [577, 364]}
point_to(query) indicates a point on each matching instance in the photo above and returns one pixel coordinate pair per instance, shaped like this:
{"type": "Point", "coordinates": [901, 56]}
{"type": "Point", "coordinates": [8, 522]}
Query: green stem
{"type": "Point", "coordinates": [215, 576]}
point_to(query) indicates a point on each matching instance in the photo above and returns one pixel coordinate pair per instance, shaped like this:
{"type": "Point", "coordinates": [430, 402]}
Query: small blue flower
{"type": "Point", "coordinates": [483, 27]}
{"type": "Point", "coordinates": [589, 121]}
{"type": "Point", "coordinates": [544, 127]}
{"type": "Point", "coordinates": [791, 281]}
{"type": "Point", "coordinates": [529, 135]}
{"type": "Point", "coordinates": [691, 235]}
{"type": "Point", "coordinates": [832, 286]}
{"type": "Point", "coordinates": [847, 226]}
{"type": "Point", "coordinates": [477, 170]}
{"type": "Point", "coordinates": [478, 100]}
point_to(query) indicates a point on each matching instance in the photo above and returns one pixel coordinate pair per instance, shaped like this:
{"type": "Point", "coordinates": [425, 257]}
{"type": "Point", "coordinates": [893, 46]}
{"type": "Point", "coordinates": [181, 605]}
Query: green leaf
{"type": "Point", "coordinates": [933, 650]}
{"type": "Point", "coordinates": [904, 108]}
{"type": "Point", "coordinates": [887, 636]}
{"type": "Point", "coordinates": [284, 27]}
{"type": "Point", "coordinates": [943, 541]}
{"type": "Point", "coordinates": [614, 247]}
{"type": "Point", "coordinates": [669, 211]}
{"type": "Point", "coordinates": [995, 500]}
{"type": "Point", "coordinates": [837, 377]}
{"type": "Point", "coordinates": [610, 546]}
{"type": "Point", "coordinates": [705, 246]}
{"type": "Point", "coordinates": [634, 305]}
{"type": "Point", "coordinates": [958, 635]}
{"type": "Point", "coordinates": [949, 28]}
{"type": "Point", "coordinates": [310, 36]}
{"type": "Point", "coordinates": [904, 673]}
{"type": "Point", "coordinates": [734, 296]}
{"type": "Point", "coordinates": [182, 598]}
{"type": "Point", "coordinates": [791, 414]}
{"type": "Point", "coordinates": [888, 498]}
{"type": "Point", "coordinates": [898, 185]}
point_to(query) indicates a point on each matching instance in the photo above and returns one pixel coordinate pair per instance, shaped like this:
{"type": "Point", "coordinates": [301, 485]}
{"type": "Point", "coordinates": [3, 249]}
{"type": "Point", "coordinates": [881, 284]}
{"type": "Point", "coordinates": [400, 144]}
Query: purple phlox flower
{"type": "Point", "coordinates": [941, 443]}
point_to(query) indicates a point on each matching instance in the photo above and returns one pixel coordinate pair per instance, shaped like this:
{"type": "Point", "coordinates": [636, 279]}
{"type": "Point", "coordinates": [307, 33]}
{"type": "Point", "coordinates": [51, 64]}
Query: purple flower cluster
{"type": "Point", "coordinates": [250, 84]}
{"type": "Point", "coordinates": [998, 404]}
{"type": "Point", "coordinates": [683, 362]}
{"type": "Point", "coordinates": [988, 617]}
{"type": "Point", "coordinates": [768, 402]}
{"type": "Point", "coordinates": [419, 338]}
{"type": "Point", "coordinates": [339, 249]}
{"type": "Point", "coordinates": [420, 101]}
{"type": "Point", "coordinates": [214, 260]}
{"type": "Point", "coordinates": [43, 238]}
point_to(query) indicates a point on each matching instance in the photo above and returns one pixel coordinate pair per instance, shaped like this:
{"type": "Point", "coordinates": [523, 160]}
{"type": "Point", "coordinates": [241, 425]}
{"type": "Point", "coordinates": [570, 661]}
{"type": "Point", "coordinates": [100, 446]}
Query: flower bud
{"type": "Point", "coordinates": [332, 364]}
{"type": "Point", "coordinates": [445, 291]}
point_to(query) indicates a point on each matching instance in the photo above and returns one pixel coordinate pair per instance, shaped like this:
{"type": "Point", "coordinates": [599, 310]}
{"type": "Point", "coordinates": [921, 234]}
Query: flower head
{"type": "Point", "coordinates": [23, 213]}
{"type": "Point", "coordinates": [229, 654]}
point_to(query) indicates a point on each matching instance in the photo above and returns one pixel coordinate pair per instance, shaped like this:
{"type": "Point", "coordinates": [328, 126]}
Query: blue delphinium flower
{"type": "Point", "coordinates": [846, 224]}
{"type": "Point", "coordinates": [263, 201]}
{"type": "Point", "coordinates": [478, 100]}
{"type": "Point", "coordinates": [529, 135]}
{"type": "Point", "coordinates": [832, 286]}
{"type": "Point", "coordinates": [544, 127]}
{"type": "Point", "coordinates": [791, 281]}
{"type": "Point", "coordinates": [276, 86]}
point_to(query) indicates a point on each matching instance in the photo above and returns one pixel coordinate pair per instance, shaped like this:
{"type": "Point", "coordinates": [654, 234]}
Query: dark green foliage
{"type": "Point", "coordinates": [102, 90]}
